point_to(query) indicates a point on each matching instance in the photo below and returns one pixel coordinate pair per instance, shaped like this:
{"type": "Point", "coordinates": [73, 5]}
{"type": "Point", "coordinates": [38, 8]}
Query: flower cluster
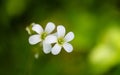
{"type": "Point", "coordinates": [48, 39]}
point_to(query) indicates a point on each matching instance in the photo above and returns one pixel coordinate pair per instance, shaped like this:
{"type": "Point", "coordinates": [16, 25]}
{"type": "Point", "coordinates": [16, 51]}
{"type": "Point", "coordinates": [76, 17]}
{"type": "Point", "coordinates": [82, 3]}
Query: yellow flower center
{"type": "Point", "coordinates": [43, 35]}
{"type": "Point", "coordinates": [60, 41]}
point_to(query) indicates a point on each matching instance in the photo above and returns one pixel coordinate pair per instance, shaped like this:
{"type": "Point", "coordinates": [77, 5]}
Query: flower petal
{"type": "Point", "coordinates": [68, 47]}
{"type": "Point", "coordinates": [46, 48]}
{"type": "Point", "coordinates": [54, 34]}
{"type": "Point", "coordinates": [37, 28]}
{"type": "Point", "coordinates": [51, 39]}
{"type": "Point", "coordinates": [56, 49]}
{"type": "Point", "coordinates": [61, 31]}
{"type": "Point", "coordinates": [50, 27]}
{"type": "Point", "coordinates": [34, 39]}
{"type": "Point", "coordinates": [69, 36]}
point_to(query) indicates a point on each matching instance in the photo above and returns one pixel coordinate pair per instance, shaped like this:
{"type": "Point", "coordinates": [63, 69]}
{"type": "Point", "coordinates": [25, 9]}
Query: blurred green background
{"type": "Point", "coordinates": [96, 24]}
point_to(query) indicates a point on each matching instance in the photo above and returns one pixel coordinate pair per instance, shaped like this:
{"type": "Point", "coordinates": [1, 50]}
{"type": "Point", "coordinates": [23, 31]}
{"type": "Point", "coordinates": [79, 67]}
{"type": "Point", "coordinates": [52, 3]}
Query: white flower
{"type": "Point", "coordinates": [41, 35]}
{"type": "Point", "coordinates": [61, 40]}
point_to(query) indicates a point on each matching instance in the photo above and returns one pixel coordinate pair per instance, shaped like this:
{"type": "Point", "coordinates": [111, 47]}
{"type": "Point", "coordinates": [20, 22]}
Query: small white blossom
{"type": "Point", "coordinates": [28, 30]}
{"type": "Point", "coordinates": [61, 40]}
{"type": "Point", "coordinates": [41, 35]}
{"type": "Point", "coordinates": [36, 55]}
